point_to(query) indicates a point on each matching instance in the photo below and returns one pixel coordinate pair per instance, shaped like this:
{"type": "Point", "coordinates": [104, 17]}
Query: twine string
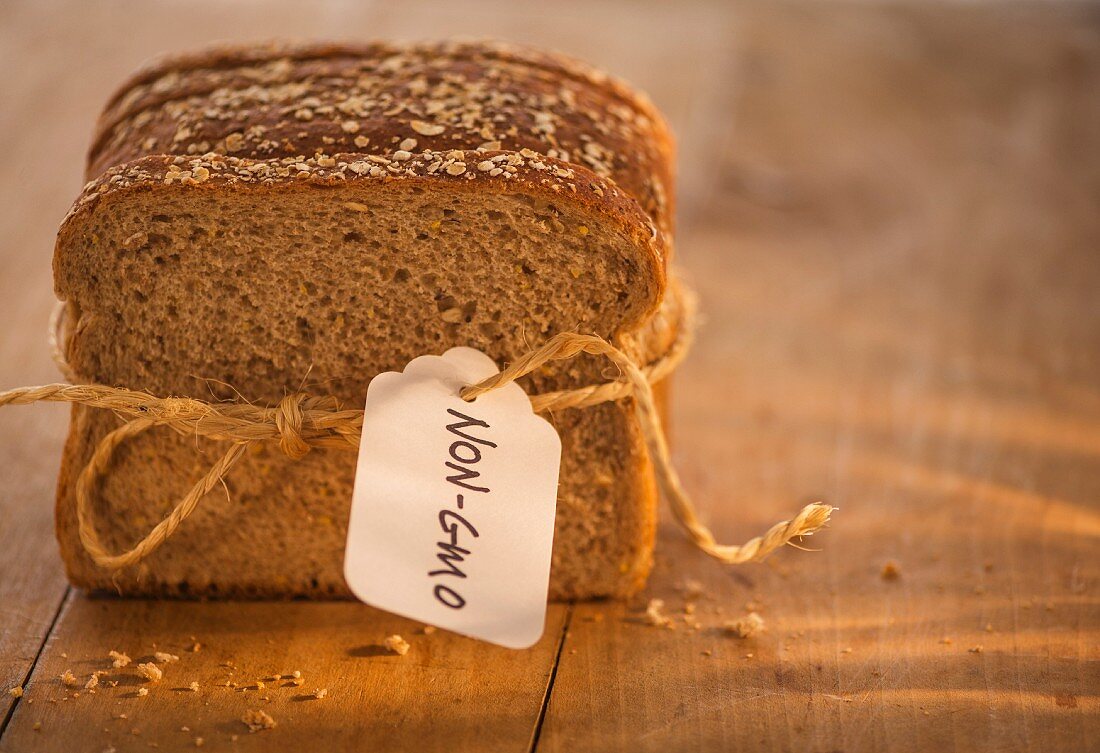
{"type": "Point", "coordinates": [301, 422]}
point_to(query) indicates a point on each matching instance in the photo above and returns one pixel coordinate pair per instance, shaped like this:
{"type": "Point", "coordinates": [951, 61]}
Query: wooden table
{"type": "Point", "coordinates": [893, 216]}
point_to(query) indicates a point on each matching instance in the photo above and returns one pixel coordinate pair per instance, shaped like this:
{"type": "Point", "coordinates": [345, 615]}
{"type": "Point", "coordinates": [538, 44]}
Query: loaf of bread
{"type": "Point", "coordinates": [272, 219]}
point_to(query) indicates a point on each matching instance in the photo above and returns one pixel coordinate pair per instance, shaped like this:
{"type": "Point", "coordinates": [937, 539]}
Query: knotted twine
{"type": "Point", "coordinates": [301, 422]}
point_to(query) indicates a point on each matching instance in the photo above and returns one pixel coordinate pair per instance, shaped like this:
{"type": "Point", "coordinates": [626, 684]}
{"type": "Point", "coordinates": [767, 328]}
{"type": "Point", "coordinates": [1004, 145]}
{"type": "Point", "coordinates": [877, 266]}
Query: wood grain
{"type": "Point", "coordinates": [446, 689]}
{"type": "Point", "coordinates": [900, 284]}
{"type": "Point", "coordinates": [891, 214]}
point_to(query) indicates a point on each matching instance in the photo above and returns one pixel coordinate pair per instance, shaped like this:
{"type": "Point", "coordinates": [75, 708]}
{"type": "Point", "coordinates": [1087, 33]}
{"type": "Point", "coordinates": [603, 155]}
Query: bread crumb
{"type": "Point", "coordinates": [320, 693]}
{"type": "Point", "coordinates": [945, 640]}
{"type": "Point", "coordinates": [165, 658]}
{"type": "Point", "coordinates": [654, 614]}
{"type": "Point", "coordinates": [257, 720]}
{"type": "Point", "coordinates": [429, 629]}
{"type": "Point", "coordinates": [693, 589]}
{"type": "Point", "coordinates": [746, 627]}
{"type": "Point", "coordinates": [847, 650]}
{"type": "Point", "coordinates": [193, 687]}
{"type": "Point", "coordinates": [37, 726]}
{"type": "Point", "coordinates": [975, 650]}
{"type": "Point", "coordinates": [92, 681]}
{"type": "Point", "coordinates": [142, 692]}
{"type": "Point", "coordinates": [397, 645]}
{"type": "Point", "coordinates": [198, 742]}
{"type": "Point", "coordinates": [361, 141]}
{"type": "Point", "coordinates": [16, 692]}
{"type": "Point", "coordinates": [989, 627]}
{"type": "Point", "coordinates": [296, 674]}
{"type": "Point", "coordinates": [118, 660]}
{"type": "Point", "coordinates": [891, 570]}
{"type": "Point", "coordinates": [150, 672]}
{"type": "Point", "coordinates": [196, 647]}
{"type": "Point", "coordinates": [69, 679]}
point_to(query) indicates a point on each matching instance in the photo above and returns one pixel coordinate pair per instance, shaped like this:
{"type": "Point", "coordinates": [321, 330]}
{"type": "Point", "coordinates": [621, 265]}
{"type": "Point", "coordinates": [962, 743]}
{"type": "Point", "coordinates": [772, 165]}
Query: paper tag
{"type": "Point", "coordinates": [452, 517]}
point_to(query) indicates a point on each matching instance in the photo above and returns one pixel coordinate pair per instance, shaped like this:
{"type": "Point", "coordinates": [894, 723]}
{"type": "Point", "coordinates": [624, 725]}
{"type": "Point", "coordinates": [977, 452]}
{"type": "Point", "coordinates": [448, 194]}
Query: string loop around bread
{"type": "Point", "coordinates": [301, 422]}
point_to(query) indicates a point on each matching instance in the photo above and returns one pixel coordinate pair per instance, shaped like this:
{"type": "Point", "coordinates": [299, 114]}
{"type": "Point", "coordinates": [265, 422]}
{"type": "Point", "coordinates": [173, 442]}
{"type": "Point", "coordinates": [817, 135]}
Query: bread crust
{"type": "Point", "coordinates": [280, 100]}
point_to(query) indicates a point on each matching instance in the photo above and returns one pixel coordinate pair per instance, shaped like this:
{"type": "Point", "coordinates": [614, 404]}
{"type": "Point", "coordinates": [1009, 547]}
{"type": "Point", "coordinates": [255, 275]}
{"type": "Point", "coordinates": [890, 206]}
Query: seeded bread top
{"type": "Point", "coordinates": [279, 100]}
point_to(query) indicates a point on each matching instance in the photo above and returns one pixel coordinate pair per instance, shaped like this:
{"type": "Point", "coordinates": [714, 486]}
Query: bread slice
{"type": "Point", "coordinates": [249, 277]}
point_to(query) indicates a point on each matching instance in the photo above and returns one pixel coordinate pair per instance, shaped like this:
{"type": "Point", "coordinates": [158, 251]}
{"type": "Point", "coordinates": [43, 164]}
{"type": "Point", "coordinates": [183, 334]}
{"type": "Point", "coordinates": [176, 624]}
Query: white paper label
{"type": "Point", "coordinates": [452, 517]}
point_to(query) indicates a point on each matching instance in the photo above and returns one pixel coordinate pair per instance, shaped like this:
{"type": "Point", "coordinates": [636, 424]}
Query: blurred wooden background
{"type": "Point", "coordinates": [892, 212]}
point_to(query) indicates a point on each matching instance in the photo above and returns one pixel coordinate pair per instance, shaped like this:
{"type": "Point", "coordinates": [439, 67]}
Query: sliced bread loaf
{"type": "Point", "coordinates": [250, 277]}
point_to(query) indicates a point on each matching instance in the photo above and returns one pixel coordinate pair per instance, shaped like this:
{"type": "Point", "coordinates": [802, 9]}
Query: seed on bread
{"type": "Point", "coordinates": [426, 129]}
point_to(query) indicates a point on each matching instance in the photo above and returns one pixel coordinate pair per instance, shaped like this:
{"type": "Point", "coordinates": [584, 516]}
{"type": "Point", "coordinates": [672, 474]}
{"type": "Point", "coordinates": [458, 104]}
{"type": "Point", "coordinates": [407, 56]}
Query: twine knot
{"type": "Point", "coordinates": [288, 420]}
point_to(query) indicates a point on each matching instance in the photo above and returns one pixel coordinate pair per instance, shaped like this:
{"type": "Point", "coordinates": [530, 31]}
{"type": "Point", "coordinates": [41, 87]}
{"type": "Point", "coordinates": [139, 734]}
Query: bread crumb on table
{"type": "Point", "coordinates": [118, 659]}
{"type": "Point", "coordinates": [320, 693]}
{"type": "Point", "coordinates": [692, 589]}
{"type": "Point", "coordinates": [746, 627]}
{"type": "Point", "coordinates": [396, 644]}
{"type": "Point", "coordinates": [654, 614]}
{"type": "Point", "coordinates": [976, 649]}
{"type": "Point", "coordinates": [257, 720]}
{"type": "Point", "coordinates": [69, 679]}
{"type": "Point", "coordinates": [429, 629]}
{"type": "Point", "coordinates": [16, 692]}
{"type": "Point", "coordinates": [142, 692]}
{"type": "Point", "coordinates": [150, 672]}
{"type": "Point", "coordinates": [891, 570]}
{"type": "Point", "coordinates": [199, 742]}
{"type": "Point", "coordinates": [165, 658]}
{"type": "Point", "coordinates": [193, 687]}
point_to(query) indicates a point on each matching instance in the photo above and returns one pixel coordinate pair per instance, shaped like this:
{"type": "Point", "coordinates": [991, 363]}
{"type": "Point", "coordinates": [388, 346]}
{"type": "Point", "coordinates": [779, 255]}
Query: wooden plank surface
{"type": "Point", "coordinates": [891, 214]}
{"type": "Point", "coordinates": [446, 689]}
{"type": "Point", "coordinates": [901, 279]}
